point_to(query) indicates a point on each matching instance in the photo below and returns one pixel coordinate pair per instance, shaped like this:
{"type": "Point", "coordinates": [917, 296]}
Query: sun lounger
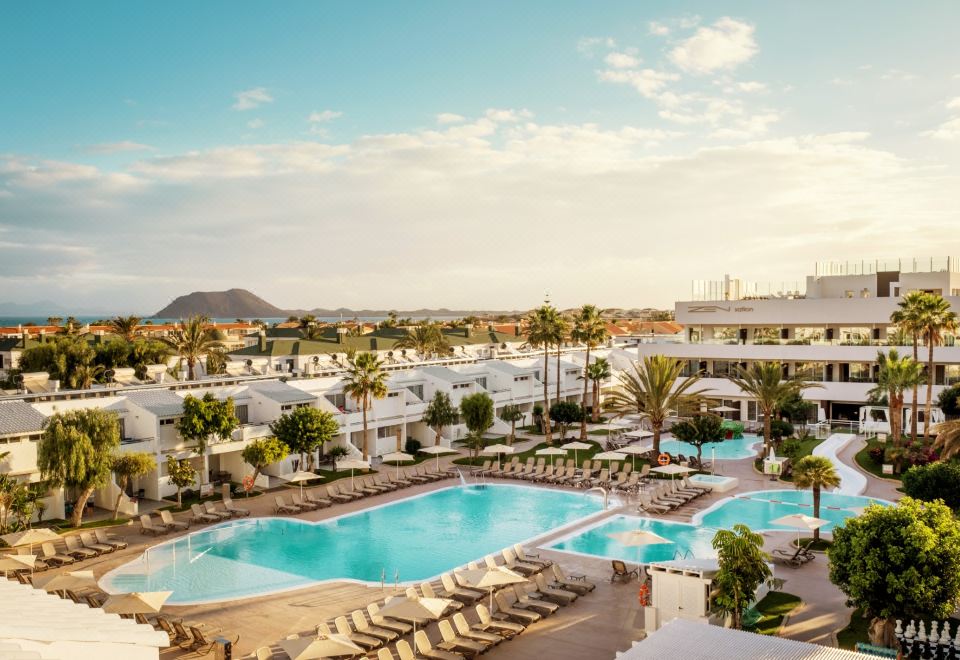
{"type": "Point", "coordinates": [390, 624]}
{"type": "Point", "coordinates": [166, 519]}
{"type": "Point", "coordinates": [381, 481]}
{"type": "Point", "coordinates": [514, 564]}
{"type": "Point", "coordinates": [583, 479]}
{"type": "Point", "coordinates": [147, 526]}
{"type": "Point", "coordinates": [688, 485]}
{"type": "Point", "coordinates": [558, 596]}
{"type": "Point", "coordinates": [222, 514]}
{"type": "Point", "coordinates": [512, 613]}
{"type": "Point", "coordinates": [283, 507]}
{"type": "Point", "coordinates": [463, 594]}
{"type": "Point", "coordinates": [366, 641]}
{"type": "Point", "coordinates": [464, 630]}
{"type": "Point", "coordinates": [454, 642]}
{"type": "Point", "coordinates": [302, 505]}
{"type": "Point", "coordinates": [401, 480]}
{"type": "Point", "coordinates": [199, 643]}
{"type": "Point", "coordinates": [793, 558]}
{"type": "Point", "coordinates": [561, 580]}
{"type": "Point", "coordinates": [526, 601]}
{"type": "Point", "coordinates": [109, 539]}
{"type": "Point", "coordinates": [415, 477]}
{"type": "Point", "coordinates": [312, 497]}
{"type": "Point", "coordinates": [75, 549]}
{"type": "Point", "coordinates": [600, 479]}
{"type": "Point", "coordinates": [360, 486]}
{"type": "Point", "coordinates": [530, 558]}
{"type": "Point", "coordinates": [361, 625]}
{"type": "Point", "coordinates": [488, 624]}
{"type": "Point", "coordinates": [89, 541]}
{"type": "Point", "coordinates": [334, 494]}
{"type": "Point", "coordinates": [485, 468]}
{"type": "Point", "coordinates": [647, 506]}
{"type": "Point", "coordinates": [426, 650]}
{"type": "Point", "coordinates": [621, 572]}
{"type": "Point", "coordinates": [199, 516]}
{"type": "Point", "coordinates": [235, 510]}
{"type": "Point", "coordinates": [427, 590]}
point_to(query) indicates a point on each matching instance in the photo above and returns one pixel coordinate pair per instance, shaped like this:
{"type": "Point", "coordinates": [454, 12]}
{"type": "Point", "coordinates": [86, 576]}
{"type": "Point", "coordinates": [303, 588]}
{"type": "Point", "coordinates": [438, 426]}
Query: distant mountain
{"type": "Point", "coordinates": [411, 313]}
{"type": "Point", "coordinates": [235, 303]}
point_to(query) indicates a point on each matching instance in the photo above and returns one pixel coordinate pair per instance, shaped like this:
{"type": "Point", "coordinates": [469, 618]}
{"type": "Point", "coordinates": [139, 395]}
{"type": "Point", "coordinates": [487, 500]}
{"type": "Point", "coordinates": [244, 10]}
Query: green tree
{"type": "Point", "coordinates": [565, 413]}
{"type": "Point", "coordinates": [66, 358]}
{"type": "Point", "coordinates": [148, 351]}
{"type": "Point", "coordinates": [796, 409]}
{"type": "Point", "coordinates": [947, 442]}
{"type": "Point", "coordinates": [543, 331]}
{"type": "Point", "coordinates": [742, 568]}
{"type": "Point", "coordinates": [895, 376]}
{"type": "Point", "coordinates": [654, 391]}
{"type": "Point", "coordinates": [764, 382]}
{"type": "Point", "coordinates": [182, 474]}
{"type": "Point", "coordinates": [597, 372]}
{"type": "Point", "coordinates": [934, 481]}
{"type": "Point", "coordinates": [936, 320]}
{"type": "Point", "coordinates": [192, 340]}
{"type": "Point", "coordinates": [126, 466]}
{"type": "Point", "coordinates": [364, 381]}
{"type": "Point", "coordinates": [76, 452]}
{"type": "Point", "coordinates": [311, 332]}
{"type": "Point", "coordinates": [949, 400]}
{"type": "Point", "coordinates": [125, 327]}
{"type": "Point", "coordinates": [477, 412]}
{"type": "Point", "coordinates": [9, 487]}
{"type": "Point", "coordinates": [698, 431]}
{"type": "Point", "coordinates": [590, 330]}
{"type": "Point", "coordinates": [206, 419]}
{"type": "Point", "coordinates": [425, 339]}
{"type": "Point", "coordinates": [909, 319]}
{"type": "Point", "coordinates": [511, 414]}
{"type": "Point", "coordinates": [216, 362]}
{"type": "Point", "coordinates": [900, 561]}
{"type": "Point", "coordinates": [263, 452]}
{"type": "Point", "coordinates": [815, 473]}
{"type": "Point", "coordinates": [440, 413]}
{"type": "Point", "coordinates": [304, 431]}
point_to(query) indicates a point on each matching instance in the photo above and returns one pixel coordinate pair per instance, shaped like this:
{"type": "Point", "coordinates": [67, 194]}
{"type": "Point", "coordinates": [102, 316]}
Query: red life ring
{"type": "Point", "coordinates": [644, 595]}
{"type": "Point", "coordinates": [248, 483]}
{"type": "Point", "coordinates": [663, 459]}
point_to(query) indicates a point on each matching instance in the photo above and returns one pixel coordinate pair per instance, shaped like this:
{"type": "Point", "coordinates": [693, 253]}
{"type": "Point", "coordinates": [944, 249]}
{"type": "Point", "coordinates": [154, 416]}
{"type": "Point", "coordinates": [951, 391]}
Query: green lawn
{"type": "Point", "coordinates": [804, 448]}
{"type": "Point", "coordinates": [773, 608]}
{"type": "Point", "coordinates": [532, 429]}
{"type": "Point", "coordinates": [599, 432]}
{"type": "Point", "coordinates": [60, 525]}
{"type": "Point", "coordinates": [865, 462]}
{"type": "Point", "coordinates": [855, 632]}
{"type": "Point", "coordinates": [419, 458]}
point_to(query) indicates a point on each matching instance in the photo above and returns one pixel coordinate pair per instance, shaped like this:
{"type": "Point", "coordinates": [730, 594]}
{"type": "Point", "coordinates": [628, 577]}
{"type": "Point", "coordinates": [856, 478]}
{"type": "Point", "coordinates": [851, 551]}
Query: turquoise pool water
{"type": "Point", "coordinates": [759, 508]}
{"type": "Point", "coordinates": [686, 540]}
{"type": "Point", "coordinates": [412, 540]}
{"type": "Point", "coordinates": [728, 450]}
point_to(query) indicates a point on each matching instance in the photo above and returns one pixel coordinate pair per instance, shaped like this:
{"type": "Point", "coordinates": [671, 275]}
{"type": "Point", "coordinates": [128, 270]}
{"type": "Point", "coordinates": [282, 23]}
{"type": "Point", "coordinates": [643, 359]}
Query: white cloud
{"type": "Point", "coordinates": [255, 123]}
{"type": "Point", "coordinates": [658, 29]}
{"type": "Point", "coordinates": [841, 82]}
{"type": "Point", "coordinates": [587, 46]}
{"type": "Point", "coordinates": [724, 45]}
{"type": "Point", "coordinates": [115, 147]}
{"type": "Point", "coordinates": [751, 86]}
{"type": "Point", "coordinates": [621, 60]}
{"type": "Point", "coordinates": [898, 75]}
{"type": "Point", "coordinates": [450, 118]}
{"type": "Point", "coordinates": [646, 81]}
{"type": "Point", "coordinates": [949, 130]}
{"type": "Point", "coordinates": [508, 115]}
{"type": "Point", "coordinates": [324, 116]}
{"type": "Point", "coordinates": [953, 104]}
{"type": "Point", "coordinates": [750, 127]}
{"type": "Point", "coordinates": [251, 98]}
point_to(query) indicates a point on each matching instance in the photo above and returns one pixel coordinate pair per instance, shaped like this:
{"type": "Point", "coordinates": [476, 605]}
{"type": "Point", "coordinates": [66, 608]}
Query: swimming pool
{"type": "Point", "coordinates": [685, 540]}
{"type": "Point", "coordinates": [410, 540]}
{"type": "Point", "coordinates": [758, 508]}
{"type": "Point", "coordinates": [728, 450]}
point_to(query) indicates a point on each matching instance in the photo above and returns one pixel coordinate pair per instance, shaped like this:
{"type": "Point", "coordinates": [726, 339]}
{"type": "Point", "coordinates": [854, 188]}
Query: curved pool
{"type": "Point", "coordinates": [409, 540]}
{"type": "Point", "coordinates": [759, 508]}
{"type": "Point", "coordinates": [726, 450]}
{"type": "Point", "coordinates": [685, 540]}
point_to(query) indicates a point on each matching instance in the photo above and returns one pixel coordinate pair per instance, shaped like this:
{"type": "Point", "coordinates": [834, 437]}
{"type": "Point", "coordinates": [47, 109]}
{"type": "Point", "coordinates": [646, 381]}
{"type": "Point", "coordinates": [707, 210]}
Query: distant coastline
{"type": "Point", "coordinates": [8, 321]}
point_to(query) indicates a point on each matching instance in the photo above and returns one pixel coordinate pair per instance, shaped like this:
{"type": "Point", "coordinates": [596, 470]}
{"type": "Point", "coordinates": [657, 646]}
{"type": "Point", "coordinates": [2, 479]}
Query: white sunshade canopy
{"type": "Point", "coordinates": [72, 580]}
{"type": "Point", "coordinates": [405, 608]}
{"type": "Point", "coordinates": [673, 468]}
{"type": "Point", "coordinates": [319, 647]}
{"type": "Point", "coordinates": [498, 449]}
{"type": "Point", "coordinates": [353, 464]}
{"type": "Point", "coordinates": [145, 602]}
{"type": "Point", "coordinates": [576, 445]}
{"type": "Point", "coordinates": [300, 476]}
{"type": "Point", "coordinates": [723, 409]}
{"type": "Point", "coordinates": [635, 449]}
{"type": "Point", "coordinates": [639, 433]}
{"type": "Point", "coordinates": [16, 562]}
{"type": "Point", "coordinates": [551, 451]}
{"type": "Point", "coordinates": [610, 456]}
{"type": "Point", "coordinates": [486, 578]}
{"type": "Point", "coordinates": [30, 537]}
{"type": "Point", "coordinates": [438, 449]}
{"type": "Point", "coordinates": [638, 537]}
{"type": "Point", "coordinates": [800, 521]}
{"type": "Point", "coordinates": [397, 457]}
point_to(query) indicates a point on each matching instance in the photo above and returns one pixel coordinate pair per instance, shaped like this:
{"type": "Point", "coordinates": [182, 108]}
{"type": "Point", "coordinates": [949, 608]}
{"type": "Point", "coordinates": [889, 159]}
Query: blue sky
{"type": "Point", "coordinates": [150, 149]}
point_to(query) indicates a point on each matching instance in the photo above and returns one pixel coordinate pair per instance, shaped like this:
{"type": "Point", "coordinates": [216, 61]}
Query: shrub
{"type": "Point", "coordinates": [949, 401]}
{"type": "Point", "coordinates": [936, 481]}
{"type": "Point", "coordinates": [878, 455]}
{"type": "Point", "coordinates": [412, 446]}
{"type": "Point", "coordinates": [790, 448]}
{"type": "Point", "coordinates": [780, 429]}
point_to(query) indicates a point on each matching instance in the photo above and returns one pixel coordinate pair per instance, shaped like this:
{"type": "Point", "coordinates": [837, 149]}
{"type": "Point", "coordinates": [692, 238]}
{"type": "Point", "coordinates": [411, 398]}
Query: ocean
{"type": "Point", "coordinates": [8, 321]}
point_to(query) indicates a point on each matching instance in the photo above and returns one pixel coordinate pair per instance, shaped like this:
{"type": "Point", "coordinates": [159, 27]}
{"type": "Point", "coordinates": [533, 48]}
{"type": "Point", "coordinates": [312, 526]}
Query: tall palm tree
{"type": "Point", "coordinates": [816, 473]}
{"type": "Point", "coordinates": [192, 340]}
{"type": "Point", "coordinates": [764, 382]}
{"type": "Point", "coordinates": [424, 339]}
{"type": "Point", "coordinates": [653, 391]}
{"type": "Point", "coordinates": [125, 326]}
{"type": "Point", "coordinates": [948, 439]}
{"type": "Point", "coordinates": [311, 332]}
{"type": "Point", "coordinates": [363, 382]}
{"type": "Point", "coordinates": [895, 376]}
{"type": "Point", "coordinates": [542, 331]}
{"type": "Point", "coordinates": [937, 318]}
{"type": "Point", "coordinates": [908, 319]}
{"type": "Point", "coordinates": [598, 372]}
{"type": "Point", "coordinates": [590, 330]}
{"type": "Point", "coordinates": [562, 332]}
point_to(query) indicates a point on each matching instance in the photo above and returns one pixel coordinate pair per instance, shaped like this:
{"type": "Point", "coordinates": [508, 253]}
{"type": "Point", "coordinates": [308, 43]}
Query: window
{"type": "Point", "coordinates": [286, 407]}
{"type": "Point", "coordinates": [860, 372]}
{"type": "Point", "coordinates": [167, 421]}
{"type": "Point", "coordinates": [812, 371]}
{"type": "Point", "coordinates": [416, 390]}
{"type": "Point", "coordinates": [387, 432]}
{"type": "Point", "coordinates": [518, 379]}
{"type": "Point", "coordinates": [751, 411]}
{"type": "Point", "coordinates": [242, 412]}
{"type": "Point", "coordinates": [392, 395]}
{"type": "Point", "coordinates": [1, 362]}
{"type": "Point", "coordinates": [338, 400]}
{"type": "Point", "coordinates": [481, 381]}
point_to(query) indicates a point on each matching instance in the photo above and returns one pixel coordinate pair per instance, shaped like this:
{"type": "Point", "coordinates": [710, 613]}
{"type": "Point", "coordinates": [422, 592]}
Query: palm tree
{"type": "Point", "coordinates": [510, 414]}
{"type": "Point", "coordinates": [653, 391]}
{"type": "Point", "coordinates": [908, 319]}
{"type": "Point", "coordinates": [542, 332]}
{"type": "Point", "coordinates": [896, 375]}
{"type": "Point", "coordinates": [192, 340]}
{"type": "Point", "coordinates": [311, 332]}
{"type": "Point", "coordinates": [764, 382]}
{"type": "Point", "coordinates": [937, 318]}
{"type": "Point", "coordinates": [598, 372]}
{"type": "Point", "coordinates": [125, 326]}
{"type": "Point", "coordinates": [562, 332]}
{"type": "Point", "coordinates": [363, 382]}
{"type": "Point", "coordinates": [83, 376]}
{"type": "Point", "coordinates": [815, 472]}
{"type": "Point", "coordinates": [424, 339]}
{"type": "Point", "coordinates": [591, 330]}
{"type": "Point", "coordinates": [948, 439]}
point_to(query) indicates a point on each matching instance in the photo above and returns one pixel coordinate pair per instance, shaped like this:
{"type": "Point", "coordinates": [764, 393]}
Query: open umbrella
{"type": "Point", "coordinates": [30, 537]}
{"type": "Point", "coordinates": [410, 609]}
{"type": "Point", "coordinates": [437, 450]}
{"type": "Point", "coordinates": [299, 477]}
{"type": "Point", "coordinates": [576, 445]}
{"type": "Point", "coordinates": [488, 578]}
{"type": "Point", "coordinates": [633, 451]}
{"type": "Point", "coordinates": [639, 434]}
{"type": "Point", "coordinates": [145, 602]}
{"type": "Point", "coordinates": [306, 648]}
{"type": "Point", "coordinates": [353, 464]}
{"type": "Point", "coordinates": [397, 457]}
{"type": "Point", "coordinates": [800, 522]}
{"type": "Point", "coordinates": [551, 452]}
{"type": "Point", "coordinates": [672, 469]}
{"type": "Point", "coordinates": [498, 449]}
{"type": "Point", "coordinates": [610, 456]}
{"type": "Point", "coordinates": [638, 537]}
{"type": "Point", "coordinates": [16, 563]}
{"type": "Point", "coordinates": [724, 409]}
{"type": "Point", "coordinates": [72, 580]}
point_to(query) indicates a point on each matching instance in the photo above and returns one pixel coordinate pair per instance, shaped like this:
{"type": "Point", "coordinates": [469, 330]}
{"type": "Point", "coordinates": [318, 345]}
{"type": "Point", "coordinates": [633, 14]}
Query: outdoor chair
{"type": "Point", "coordinates": [621, 572]}
{"type": "Point", "coordinates": [75, 549]}
{"type": "Point", "coordinates": [487, 623]}
{"type": "Point", "coordinates": [51, 555]}
{"type": "Point", "coordinates": [199, 516]}
{"type": "Point", "coordinates": [573, 583]}
{"type": "Point", "coordinates": [109, 539]}
{"type": "Point", "coordinates": [283, 507]}
{"type": "Point", "coordinates": [89, 541]}
{"type": "Point", "coordinates": [464, 630]}
{"type": "Point", "coordinates": [454, 642]}
{"type": "Point", "coordinates": [166, 519]}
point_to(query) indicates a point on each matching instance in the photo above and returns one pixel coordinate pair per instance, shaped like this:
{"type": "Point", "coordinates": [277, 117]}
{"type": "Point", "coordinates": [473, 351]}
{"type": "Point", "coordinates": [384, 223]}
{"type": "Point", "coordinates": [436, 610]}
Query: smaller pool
{"type": "Point", "coordinates": [685, 540]}
{"type": "Point", "coordinates": [758, 509]}
{"type": "Point", "coordinates": [715, 482]}
{"type": "Point", "coordinates": [727, 450]}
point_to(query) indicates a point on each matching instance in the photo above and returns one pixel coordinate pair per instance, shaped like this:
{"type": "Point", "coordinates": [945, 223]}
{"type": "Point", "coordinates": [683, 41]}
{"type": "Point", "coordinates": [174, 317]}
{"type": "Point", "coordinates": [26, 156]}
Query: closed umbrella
{"type": "Point", "coordinates": [329, 646]}
{"type": "Point", "coordinates": [498, 450]}
{"type": "Point", "coordinates": [353, 464]}
{"type": "Point", "coordinates": [397, 457]}
{"type": "Point", "coordinates": [800, 522]}
{"type": "Point", "coordinates": [576, 445]}
{"type": "Point", "coordinates": [411, 609]}
{"type": "Point", "coordinates": [72, 580]}
{"type": "Point", "coordinates": [299, 477]}
{"type": "Point", "coordinates": [30, 537]}
{"type": "Point", "coordinates": [16, 563]}
{"type": "Point", "coordinates": [551, 452]}
{"type": "Point", "coordinates": [488, 578]}
{"type": "Point", "coordinates": [437, 450]}
{"type": "Point", "coordinates": [144, 602]}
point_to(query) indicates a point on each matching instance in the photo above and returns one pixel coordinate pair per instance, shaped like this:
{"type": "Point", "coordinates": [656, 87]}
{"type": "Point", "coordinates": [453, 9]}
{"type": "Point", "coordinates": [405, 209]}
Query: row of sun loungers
{"type": "Point", "coordinates": [669, 495]}
{"type": "Point", "coordinates": [76, 547]}
{"type": "Point", "coordinates": [516, 607]}
{"type": "Point", "coordinates": [590, 475]}
{"type": "Point", "coordinates": [205, 513]}
{"type": "Point", "coordinates": [365, 486]}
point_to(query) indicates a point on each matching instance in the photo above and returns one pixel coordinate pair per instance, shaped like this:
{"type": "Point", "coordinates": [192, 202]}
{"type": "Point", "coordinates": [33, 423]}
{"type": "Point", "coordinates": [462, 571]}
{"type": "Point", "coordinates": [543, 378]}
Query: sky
{"type": "Point", "coordinates": [467, 155]}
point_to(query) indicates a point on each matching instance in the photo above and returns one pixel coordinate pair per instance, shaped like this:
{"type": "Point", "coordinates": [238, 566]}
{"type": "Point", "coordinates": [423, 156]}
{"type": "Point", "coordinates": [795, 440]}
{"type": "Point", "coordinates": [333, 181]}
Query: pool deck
{"type": "Point", "coordinates": [597, 625]}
